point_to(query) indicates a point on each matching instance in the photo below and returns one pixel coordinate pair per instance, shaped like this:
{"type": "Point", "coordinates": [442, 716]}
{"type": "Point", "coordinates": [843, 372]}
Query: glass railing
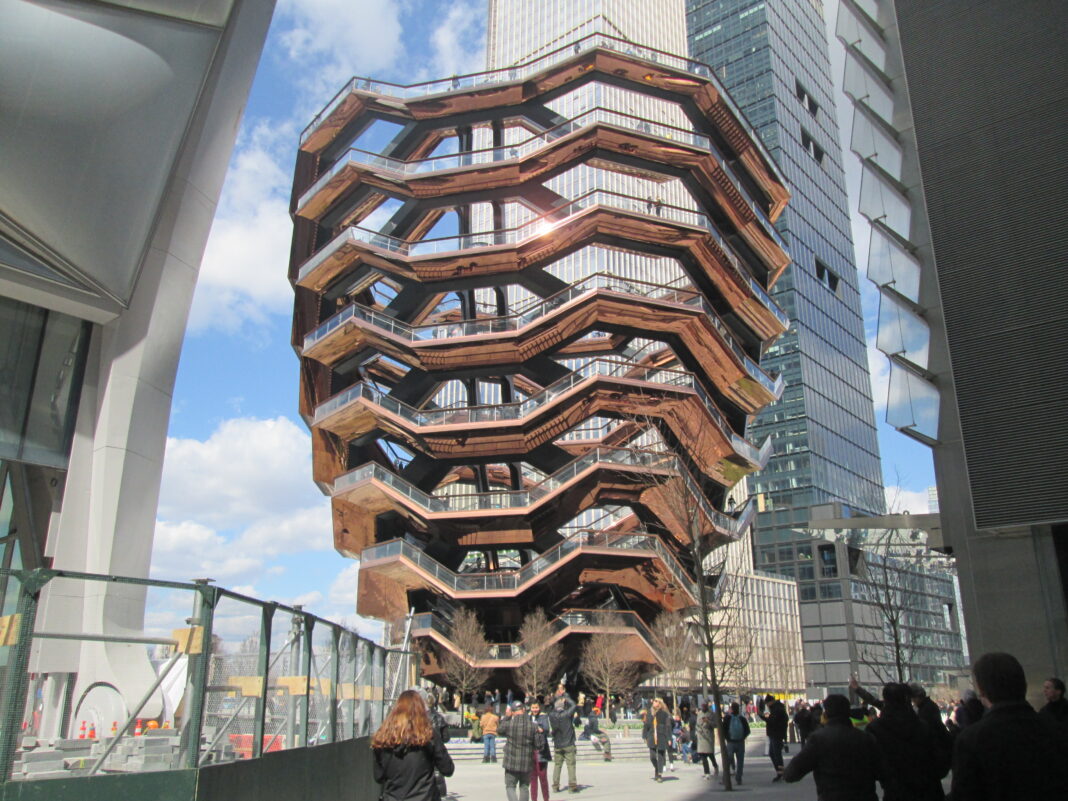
{"type": "Point", "coordinates": [665, 463]}
{"type": "Point", "coordinates": [585, 618]}
{"type": "Point", "coordinates": [502, 412]}
{"type": "Point", "coordinates": [522, 72]}
{"type": "Point", "coordinates": [521, 150]}
{"type": "Point", "coordinates": [478, 158]}
{"type": "Point", "coordinates": [492, 325]}
{"type": "Point", "coordinates": [513, 580]}
{"type": "Point", "coordinates": [355, 235]}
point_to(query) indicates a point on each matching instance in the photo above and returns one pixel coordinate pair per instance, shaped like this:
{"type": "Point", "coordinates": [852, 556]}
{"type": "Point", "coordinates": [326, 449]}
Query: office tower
{"type": "Point", "coordinates": [119, 120]}
{"type": "Point", "coordinates": [529, 318]}
{"type": "Point", "coordinates": [960, 127]}
{"type": "Point", "coordinates": [773, 58]}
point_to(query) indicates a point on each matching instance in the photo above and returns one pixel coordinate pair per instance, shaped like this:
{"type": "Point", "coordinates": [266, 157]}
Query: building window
{"type": "Point", "coordinates": [826, 276]}
{"type": "Point", "coordinates": [806, 99]}
{"type": "Point", "coordinates": [828, 563]}
{"type": "Point", "coordinates": [807, 592]}
{"type": "Point", "coordinates": [830, 591]}
{"type": "Point", "coordinates": [809, 144]}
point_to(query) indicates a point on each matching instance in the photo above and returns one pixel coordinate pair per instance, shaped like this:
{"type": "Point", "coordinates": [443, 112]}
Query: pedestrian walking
{"type": "Point", "coordinates": [845, 760]}
{"type": "Point", "coordinates": [911, 768]}
{"type": "Point", "coordinates": [656, 732]}
{"type": "Point", "coordinates": [539, 775]}
{"type": "Point", "coordinates": [407, 749]}
{"type": "Point", "coordinates": [775, 721]}
{"type": "Point", "coordinates": [1012, 752]}
{"type": "Point", "coordinates": [1056, 708]}
{"type": "Point", "coordinates": [563, 730]}
{"type": "Point", "coordinates": [518, 729]}
{"type": "Point", "coordinates": [706, 739]}
{"type": "Point", "coordinates": [735, 730]}
{"type": "Point", "coordinates": [489, 723]}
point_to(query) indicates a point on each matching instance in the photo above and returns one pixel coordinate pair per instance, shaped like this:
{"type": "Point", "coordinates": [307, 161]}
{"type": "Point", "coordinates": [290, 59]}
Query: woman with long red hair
{"type": "Point", "coordinates": [407, 750]}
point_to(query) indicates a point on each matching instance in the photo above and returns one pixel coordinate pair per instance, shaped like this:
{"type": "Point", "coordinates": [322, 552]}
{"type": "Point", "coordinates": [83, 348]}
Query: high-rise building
{"type": "Point", "coordinates": [959, 124]}
{"type": "Point", "coordinates": [529, 329]}
{"type": "Point", "coordinates": [773, 59]}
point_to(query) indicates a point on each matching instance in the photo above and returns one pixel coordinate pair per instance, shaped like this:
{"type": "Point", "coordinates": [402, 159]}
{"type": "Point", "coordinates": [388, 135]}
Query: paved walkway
{"type": "Point", "coordinates": [632, 779]}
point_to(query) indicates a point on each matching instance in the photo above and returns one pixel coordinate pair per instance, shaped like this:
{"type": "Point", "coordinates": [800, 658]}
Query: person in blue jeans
{"type": "Point", "coordinates": [489, 721]}
{"type": "Point", "coordinates": [735, 728]}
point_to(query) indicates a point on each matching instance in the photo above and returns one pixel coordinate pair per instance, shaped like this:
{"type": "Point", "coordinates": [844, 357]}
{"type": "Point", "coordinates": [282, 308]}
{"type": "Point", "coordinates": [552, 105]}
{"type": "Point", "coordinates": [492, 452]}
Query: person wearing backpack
{"type": "Point", "coordinates": [735, 731]}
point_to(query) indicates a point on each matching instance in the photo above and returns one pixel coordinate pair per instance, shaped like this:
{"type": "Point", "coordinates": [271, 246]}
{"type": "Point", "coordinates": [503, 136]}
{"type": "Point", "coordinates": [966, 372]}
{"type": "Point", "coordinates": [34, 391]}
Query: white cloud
{"type": "Point", "coordinates": [879, 368]}
{"type": "Point", "coordinates": [343, 589]}
{"type": "Point", "coordinates": [242, 279]}
{"type": "Point", "coordinates": [459, 41]}
{"type": "Point", "coordinates": [900, 500]}
{"type": "Point", "coordinates": [247, 472]}
{"type": "Point", "coordinates": [332, 40]}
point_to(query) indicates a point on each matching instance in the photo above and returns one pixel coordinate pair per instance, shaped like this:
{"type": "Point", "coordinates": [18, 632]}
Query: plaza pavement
{"type": "Point", "coordinates": [632, 779]}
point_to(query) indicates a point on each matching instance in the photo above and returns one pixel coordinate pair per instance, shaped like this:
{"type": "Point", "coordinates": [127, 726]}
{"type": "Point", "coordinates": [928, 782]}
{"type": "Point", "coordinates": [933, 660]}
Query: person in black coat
{"type": "Point", "coordinates": [1056, 708]}
{"type": "Point", "coordinates": [1012, 752]}
{"type": "Point", "coordinates": [656, 731]}
{"type": "Point", "coordinates": [776, 721]}
{"type": "Point", "coordinates": [911, 767]}
{"type": "Point", "coordinates": [407, 750]}
{"type": "Point", "coordinates": [845, 760]}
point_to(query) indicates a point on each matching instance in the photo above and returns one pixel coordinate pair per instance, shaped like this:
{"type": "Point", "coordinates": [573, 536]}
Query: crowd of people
{"type": "Point", "coordinates": [996, 745]}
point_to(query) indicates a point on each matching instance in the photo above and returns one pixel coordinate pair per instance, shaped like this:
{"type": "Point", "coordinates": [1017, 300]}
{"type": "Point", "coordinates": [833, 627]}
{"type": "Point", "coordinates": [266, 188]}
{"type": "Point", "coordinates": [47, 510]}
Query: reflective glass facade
{"type": "Point", "coordinates": [773, 59]}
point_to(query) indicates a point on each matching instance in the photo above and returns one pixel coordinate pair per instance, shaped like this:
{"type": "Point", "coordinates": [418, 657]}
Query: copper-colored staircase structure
{"type": "Point", "coordinates": [521, 454]}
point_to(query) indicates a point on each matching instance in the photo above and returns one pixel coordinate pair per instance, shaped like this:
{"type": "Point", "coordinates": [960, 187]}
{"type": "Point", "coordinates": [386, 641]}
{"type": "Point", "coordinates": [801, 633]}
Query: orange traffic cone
{"type": "Point", "coordinates": [166, 724]}
{"type": "Point", "coordinates": [92, 731]}
{"type": "Point", "coordinates": [137, 728]}
{"type": "Point", "coordinates": [114, 727]}
{"type": "Point", "coordinates": [81, 731]}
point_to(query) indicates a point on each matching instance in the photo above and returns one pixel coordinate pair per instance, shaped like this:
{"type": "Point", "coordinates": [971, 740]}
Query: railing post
{"type": "Point", "coordinates": [308, 622]}
{"type": "Point", "coordinates": [203, 616]}
{"type": "Point", "coordinates": [17, 680]}
{"type": "Point", "coordinates": [263, 658]}
{"type": "Point", "coordinates": [335, 678]}
{"type": "Point", "coordinates": [378, 686]}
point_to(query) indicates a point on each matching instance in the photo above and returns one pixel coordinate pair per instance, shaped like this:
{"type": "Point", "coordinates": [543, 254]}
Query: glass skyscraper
{"type": "Point", "coordinates": [773, 59]}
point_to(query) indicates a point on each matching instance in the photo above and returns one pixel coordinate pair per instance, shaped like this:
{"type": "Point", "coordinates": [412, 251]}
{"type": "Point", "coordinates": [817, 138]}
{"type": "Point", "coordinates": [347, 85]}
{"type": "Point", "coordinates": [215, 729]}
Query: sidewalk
{"type": "Point", "coordinates": [625, 779]}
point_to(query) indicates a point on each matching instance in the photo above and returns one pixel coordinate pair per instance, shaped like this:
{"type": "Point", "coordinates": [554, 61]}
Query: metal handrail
{"type": "Point", "coordinates": [592, 371]}
{"type": "Point", "coordinates": [519, 72]}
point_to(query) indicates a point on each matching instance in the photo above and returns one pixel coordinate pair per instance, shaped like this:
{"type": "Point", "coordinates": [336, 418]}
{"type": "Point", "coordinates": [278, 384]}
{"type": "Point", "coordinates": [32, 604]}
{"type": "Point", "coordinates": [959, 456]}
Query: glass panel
{"type": "Point", "coordinates": [912, 403]}
{"type": "Point", "coordinates": [871, 141]}
{"type": "Point", "coordinates": [855, 33]}
{"type": "Point", "coordinates": [879, 201]}
{"type": "Point", "coordinates": [902, 332]}
{"type": "Point", "coordinates": [864, 87]}
{"type": "Point", "coordinates": [21, 328]}
{"type": "Point", "coordinates": [891, 265]}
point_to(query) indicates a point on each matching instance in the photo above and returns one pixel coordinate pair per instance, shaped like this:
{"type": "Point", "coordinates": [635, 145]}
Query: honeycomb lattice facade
{"type": "Point", "coordinates": [497, 397]}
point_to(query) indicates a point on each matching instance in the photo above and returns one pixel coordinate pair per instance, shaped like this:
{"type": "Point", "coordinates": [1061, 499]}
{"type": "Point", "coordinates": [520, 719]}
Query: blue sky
{"type": "Point", "coordinates": [237, 501]}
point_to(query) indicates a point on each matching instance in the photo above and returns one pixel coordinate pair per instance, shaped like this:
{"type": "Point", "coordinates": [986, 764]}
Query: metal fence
{"type": "Point", "coordinates": [203, 675]}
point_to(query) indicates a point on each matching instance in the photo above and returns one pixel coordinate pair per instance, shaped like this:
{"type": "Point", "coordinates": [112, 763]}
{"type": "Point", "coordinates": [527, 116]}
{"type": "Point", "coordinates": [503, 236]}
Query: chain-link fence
{"type": "Point", "coordinates": [106, 674]}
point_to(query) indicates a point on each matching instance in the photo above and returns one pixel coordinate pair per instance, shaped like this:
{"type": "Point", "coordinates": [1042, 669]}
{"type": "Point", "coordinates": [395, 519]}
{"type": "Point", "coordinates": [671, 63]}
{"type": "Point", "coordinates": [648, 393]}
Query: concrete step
{"type": "Point", "coordinates": [630, 748]}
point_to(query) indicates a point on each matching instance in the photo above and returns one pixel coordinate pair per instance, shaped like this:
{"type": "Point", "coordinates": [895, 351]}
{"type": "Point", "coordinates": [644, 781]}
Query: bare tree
{"type": "Point", "coordinates": [461, 669]}
{"type": "Point", "coordinates": [677, 649]}
{"type": "Point", "coordinates": [887, 593]}
{"type": "Point", "coordinates": [607, 667]}
{"type": "Point", "coordinates": [542, 656]}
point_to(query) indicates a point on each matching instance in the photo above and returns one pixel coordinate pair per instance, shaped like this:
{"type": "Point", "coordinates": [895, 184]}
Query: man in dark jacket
{"type": "Point", "coordinates": [1056, 708]}
{"type": "Point", "coordinates": [928, 712]}
{"type": "Point", "coordinates": [845, 760]}
{"type": "Point", "coordinates": [776, 720]}
{"type": "Point", "coordinates": [561, 716]}
{"type": "Point", "coordinates": [734, 731]}
{"type": "Point", "coordinates": [1012, 752]}
{"type": "Point", "coordinates": [518, 729]}
{"type": "Point", "coordinates": [911, 767]}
